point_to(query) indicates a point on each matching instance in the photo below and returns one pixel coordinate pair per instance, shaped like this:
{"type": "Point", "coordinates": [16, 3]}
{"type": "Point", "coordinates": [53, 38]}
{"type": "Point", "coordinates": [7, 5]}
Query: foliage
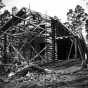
{"type": "Point", "coordinates": [76, 18]}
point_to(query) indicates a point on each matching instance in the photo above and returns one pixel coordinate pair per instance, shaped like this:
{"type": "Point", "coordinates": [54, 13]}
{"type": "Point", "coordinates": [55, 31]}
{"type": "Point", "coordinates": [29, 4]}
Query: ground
{"type": "Point", "coordinates": [67, 74]}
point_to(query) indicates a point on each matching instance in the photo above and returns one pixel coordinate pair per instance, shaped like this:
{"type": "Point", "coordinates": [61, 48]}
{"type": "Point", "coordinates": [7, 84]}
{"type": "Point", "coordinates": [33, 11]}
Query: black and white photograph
{"type": "Point", "coordinates": [43, 43]}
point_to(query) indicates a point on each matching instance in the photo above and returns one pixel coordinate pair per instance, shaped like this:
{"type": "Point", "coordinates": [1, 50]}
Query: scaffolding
{"type": "Point", "coordinates": [29, 36]}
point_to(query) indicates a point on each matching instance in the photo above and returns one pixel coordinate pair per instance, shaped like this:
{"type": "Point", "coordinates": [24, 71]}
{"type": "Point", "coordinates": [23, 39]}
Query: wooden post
{"type": "Point", "coordinates": [75, 43]}
{"type": "Point", "coordinates": [53, 26]}
{"type": "Point", "coordinates": [5, 49]}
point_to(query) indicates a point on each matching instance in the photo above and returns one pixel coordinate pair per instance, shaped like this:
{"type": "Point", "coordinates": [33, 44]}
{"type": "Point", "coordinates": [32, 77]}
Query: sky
{"type": "Point", "coordinates": [57, 8]}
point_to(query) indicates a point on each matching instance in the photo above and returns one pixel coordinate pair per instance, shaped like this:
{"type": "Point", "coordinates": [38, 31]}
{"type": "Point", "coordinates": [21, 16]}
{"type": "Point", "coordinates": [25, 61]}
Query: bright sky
{"type": "Point", "coordinates": [49, 7]}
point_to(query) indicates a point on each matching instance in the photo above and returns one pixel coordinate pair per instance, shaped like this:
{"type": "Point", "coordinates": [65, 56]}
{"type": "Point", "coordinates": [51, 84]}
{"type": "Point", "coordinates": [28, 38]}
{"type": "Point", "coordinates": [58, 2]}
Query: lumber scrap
{"type": "Point", "coordinates": [31, 68]}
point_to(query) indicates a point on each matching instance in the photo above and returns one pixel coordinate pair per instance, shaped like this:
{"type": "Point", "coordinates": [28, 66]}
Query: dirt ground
{"type": "Point", "coordinates": [61, 76]}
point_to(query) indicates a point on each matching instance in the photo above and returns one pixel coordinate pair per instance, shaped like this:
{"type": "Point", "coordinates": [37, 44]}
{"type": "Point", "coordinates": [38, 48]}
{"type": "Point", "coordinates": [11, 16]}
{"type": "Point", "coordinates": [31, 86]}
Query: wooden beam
{"type": "Point", "coordinates": [39, 53]}
{"type": "Point", "coordinates": [18, 52]}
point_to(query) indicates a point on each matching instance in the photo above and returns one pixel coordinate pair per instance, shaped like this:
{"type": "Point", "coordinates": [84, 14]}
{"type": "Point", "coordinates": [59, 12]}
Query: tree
{"type": "Point", "coordinates": [1, 4]}
{"type": "Point", "coordinates": [76, 20]}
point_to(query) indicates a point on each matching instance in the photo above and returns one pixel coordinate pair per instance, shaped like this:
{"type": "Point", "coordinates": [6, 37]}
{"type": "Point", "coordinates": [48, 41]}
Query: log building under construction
{"type": "Point", "coordinates": [28, 36]}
